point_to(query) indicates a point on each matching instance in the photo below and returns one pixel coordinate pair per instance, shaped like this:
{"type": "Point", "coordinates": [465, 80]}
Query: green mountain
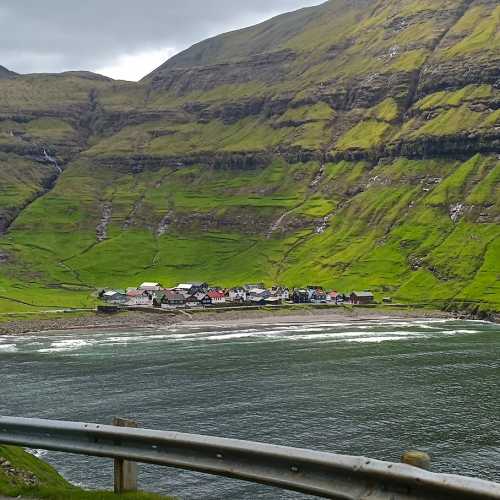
{"type": "Point", "coordinates": [354, 144]}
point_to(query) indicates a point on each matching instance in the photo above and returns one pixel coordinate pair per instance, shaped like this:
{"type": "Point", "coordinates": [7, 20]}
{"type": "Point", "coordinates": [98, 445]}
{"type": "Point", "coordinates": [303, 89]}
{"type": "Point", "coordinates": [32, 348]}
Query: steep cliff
{"type": "Point", "coordinates": [355, 144]}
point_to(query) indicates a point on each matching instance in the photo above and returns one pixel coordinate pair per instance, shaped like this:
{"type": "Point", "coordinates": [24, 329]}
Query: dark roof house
{"type": "Point", "coordinates": [362, 298]}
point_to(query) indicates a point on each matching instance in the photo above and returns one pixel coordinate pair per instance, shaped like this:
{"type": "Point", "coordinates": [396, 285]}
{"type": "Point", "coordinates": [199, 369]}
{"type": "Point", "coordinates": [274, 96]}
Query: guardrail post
{"type": "Point", "coordinates": [125, 472]}
{"type": "Point", "coordinates": [416, 458]}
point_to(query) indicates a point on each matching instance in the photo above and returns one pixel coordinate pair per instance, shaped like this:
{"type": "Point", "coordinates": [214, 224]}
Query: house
{"type": "Point", "coordinates": [318, 295]}
{"type": "Point", "coordinates": [256, 285]}
{"type": "Point", "coordinates": [362, 298]}
{"type": "Point", "coordinates": [192, 301]}
{"type": "Point", "coordinates": [200, 286]}
{"type": "Point", "coordinates": [114, 296]}
{"type": "Point", "coordinates": [139, 298]}
{"type": "Point", "coordinates": [217, 297]}
{"type": "Point", "coordinates": [334, 297]}
{"type": "Point", "coordinates": [158, 299]}
{"type": "Point", "coordinates": [281, 292]}
{"type": "Point", "coordinates": [300, 296]}
{"type": "Point", "coordinates": [203, 299]}
{"type": "Point", "coordinates": [150, 287]}
{"type": "Point", "coordinates": [257, 293]}
{"type": "Point", "coordinates": [172, 299]}
{"type": "Point", "coordinates": [237, 295]}
{"type": "Point", "coordinates": [192, 288]}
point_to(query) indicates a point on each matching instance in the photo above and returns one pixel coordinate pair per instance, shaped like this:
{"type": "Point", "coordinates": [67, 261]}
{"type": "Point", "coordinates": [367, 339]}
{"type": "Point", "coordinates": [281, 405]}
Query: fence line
{"type": "Point", "coordinates": [323, 474]}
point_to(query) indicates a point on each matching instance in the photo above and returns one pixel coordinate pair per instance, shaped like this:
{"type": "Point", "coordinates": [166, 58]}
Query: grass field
{"type": "Point", "coordinates": [50, 485]}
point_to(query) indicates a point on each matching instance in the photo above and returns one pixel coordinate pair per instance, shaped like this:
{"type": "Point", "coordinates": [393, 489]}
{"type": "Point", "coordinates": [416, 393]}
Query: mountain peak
{"type": "Point", "coordinates": [7, 73]}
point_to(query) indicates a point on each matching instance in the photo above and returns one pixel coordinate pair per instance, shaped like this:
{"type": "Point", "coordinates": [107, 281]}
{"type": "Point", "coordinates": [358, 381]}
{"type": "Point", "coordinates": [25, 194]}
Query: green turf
{"type": "Point", "coordinates": [51, 486]}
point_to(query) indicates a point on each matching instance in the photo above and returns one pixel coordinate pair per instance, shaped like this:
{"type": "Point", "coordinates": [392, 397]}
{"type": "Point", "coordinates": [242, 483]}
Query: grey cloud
{"type": "Point", "coordinates": [59, 35]}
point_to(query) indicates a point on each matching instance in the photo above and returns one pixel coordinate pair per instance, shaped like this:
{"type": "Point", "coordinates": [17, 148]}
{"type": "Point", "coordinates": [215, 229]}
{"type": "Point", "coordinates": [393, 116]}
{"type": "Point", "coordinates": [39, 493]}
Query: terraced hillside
{"type": "Point", "coordinates": [355, 144]}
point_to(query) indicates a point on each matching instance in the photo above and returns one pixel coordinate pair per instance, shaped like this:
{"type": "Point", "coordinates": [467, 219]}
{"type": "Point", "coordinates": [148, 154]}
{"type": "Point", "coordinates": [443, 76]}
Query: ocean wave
{"type": "Point", "coordinates": [376, 339]}
{"type": "Point", "coordinates": [360, 335]}
{"type": "Point", "coordinates": [8, 348]}
{"type": "Point", "coordinates": [36, 453]}
{"type": "Point", "coordinates": [66, 345]}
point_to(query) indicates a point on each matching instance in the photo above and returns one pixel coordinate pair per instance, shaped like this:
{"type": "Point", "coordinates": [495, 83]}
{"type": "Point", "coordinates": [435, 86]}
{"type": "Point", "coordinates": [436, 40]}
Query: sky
{"type": "Point", "coordinates": [122, 39]}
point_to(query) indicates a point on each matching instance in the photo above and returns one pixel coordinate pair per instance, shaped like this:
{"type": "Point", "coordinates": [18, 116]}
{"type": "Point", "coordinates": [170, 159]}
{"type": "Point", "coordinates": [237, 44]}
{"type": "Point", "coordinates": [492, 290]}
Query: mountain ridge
{"type": "Point", "coordinates": [359, 151]}
{"type": "Point", "coordinates": [6, 73]}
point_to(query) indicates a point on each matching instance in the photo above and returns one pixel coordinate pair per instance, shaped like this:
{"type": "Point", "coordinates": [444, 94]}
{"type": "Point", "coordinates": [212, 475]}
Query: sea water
{"type": "Point", "coordinates": [372, 388]}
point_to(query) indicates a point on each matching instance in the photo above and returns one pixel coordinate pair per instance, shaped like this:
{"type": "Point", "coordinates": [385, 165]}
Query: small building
{"type": "Point", "coordinates": [258, 293]}
{"type": "Point", "coordinates": [280, 291]}
{"type": "Point", "coordinates": [217, 297]}
{"type": "Point", "coordinates": [362, 298]}
{"type": "Point", "coordinates": [139, 298]}
{"type": "Point", "coordinates": [114, 296]}
{"type": "Point", "coordinates": [318, 295]}
{"type": "Point", "coordinates": [192, 301]}
{"type": "Point", "coordinates": [150, 287]}
{"type": "Point", "coordinates": [200, 286]}
{"type": "Point", "coordinates": [203, 299]}
{"type": "Point", "coordinates": [237, 295]}
{"type": "Point", "coordinates": [192, 288]}
{"type": "Point", "coordinates": [334, 296]}
{"type": "Point", "coordinates": [172, 299]}
{"type": "Point", "coordinates": [300, 296]}
{"type": "Point", "coordinates": [254, 285]}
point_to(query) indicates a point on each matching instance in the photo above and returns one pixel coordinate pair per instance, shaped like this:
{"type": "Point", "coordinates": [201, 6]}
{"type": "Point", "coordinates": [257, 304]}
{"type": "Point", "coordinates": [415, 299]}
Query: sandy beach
{"type": "Point", "coordinates": [148, 320]}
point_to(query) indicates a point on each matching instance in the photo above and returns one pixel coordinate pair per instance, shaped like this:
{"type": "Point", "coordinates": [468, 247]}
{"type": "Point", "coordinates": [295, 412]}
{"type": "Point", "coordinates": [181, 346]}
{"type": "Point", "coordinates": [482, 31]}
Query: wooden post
{"type": "Point", "coordinates": [125, 471]}
{"type": "Point", "coordinates": [418, 459]}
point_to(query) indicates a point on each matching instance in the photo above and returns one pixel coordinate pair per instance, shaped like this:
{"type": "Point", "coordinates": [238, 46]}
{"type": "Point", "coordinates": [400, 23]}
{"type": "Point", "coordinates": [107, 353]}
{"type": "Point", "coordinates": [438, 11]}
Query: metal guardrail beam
{"type": "Point", "coordinates": [323, 474]}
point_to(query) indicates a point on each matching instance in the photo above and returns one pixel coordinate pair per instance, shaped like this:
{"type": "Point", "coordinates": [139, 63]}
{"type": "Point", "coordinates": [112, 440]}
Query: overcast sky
{"type": "Point", "coordinates": [119, 38]}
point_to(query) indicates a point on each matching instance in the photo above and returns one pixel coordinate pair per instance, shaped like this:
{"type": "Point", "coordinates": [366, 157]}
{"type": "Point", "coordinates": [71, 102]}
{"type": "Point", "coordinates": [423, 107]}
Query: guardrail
{"type": "Point", "coordinates": [323, 474]}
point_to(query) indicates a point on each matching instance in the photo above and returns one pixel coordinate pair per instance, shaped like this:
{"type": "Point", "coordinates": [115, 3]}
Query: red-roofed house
{"type": "Point", "coordinates": [334, 297]}
{"type": "Point", "coordinates": [217, 297]}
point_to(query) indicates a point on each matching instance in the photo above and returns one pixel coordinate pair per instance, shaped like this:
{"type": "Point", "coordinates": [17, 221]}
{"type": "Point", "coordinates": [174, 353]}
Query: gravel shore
{"type": "Point", "coordinates": [134, 319]}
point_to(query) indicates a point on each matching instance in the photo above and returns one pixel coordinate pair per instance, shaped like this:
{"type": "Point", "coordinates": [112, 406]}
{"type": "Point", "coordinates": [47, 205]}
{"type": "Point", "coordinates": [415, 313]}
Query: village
{"type": "Point", "coordinates": [200, 295]}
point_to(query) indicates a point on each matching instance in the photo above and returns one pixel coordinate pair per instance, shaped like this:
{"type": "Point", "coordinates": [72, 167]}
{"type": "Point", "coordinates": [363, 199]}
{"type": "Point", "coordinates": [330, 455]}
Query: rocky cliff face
{"type": "Point", "coordinates": [354, 143]}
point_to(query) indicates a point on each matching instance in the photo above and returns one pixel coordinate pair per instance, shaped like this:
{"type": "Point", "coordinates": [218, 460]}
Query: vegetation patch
{"type": "Point", "coordinates": [23, 474]}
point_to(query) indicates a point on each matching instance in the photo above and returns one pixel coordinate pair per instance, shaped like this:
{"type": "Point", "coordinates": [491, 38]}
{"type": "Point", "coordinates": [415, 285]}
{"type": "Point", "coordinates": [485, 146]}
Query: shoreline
{"type": "Point", "coordinates": [150, 320]}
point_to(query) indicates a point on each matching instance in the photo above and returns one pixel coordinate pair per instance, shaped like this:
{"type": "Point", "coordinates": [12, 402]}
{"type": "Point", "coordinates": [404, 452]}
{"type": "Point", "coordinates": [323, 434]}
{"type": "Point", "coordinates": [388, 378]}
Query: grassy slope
{"type": "Point", "coordinates": [21, 181]}
{"type": "Point", "coordinates": [51, 485]}
{"type": "Point", "coordinates": [389, 225]}
{"type": "Point", "coordinates": [395, 236]}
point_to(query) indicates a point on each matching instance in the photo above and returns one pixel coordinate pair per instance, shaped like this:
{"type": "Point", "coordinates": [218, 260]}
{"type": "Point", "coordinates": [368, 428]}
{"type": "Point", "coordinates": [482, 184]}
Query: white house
{"type": "Point", "coordinates": [258, 293]}
{"type": "Point", "coordinates": [139, 298]}
{"type": "Point", "coordinates": [237, 295]}
{"type": "Point", "coordinates": [150, 287]}
{"type": "Point", "coordinates": [280, 292]}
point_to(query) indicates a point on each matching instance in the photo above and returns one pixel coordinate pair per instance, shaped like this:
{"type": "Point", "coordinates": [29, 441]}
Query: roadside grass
{"type": "Point", "coordinates": [52, 486]}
